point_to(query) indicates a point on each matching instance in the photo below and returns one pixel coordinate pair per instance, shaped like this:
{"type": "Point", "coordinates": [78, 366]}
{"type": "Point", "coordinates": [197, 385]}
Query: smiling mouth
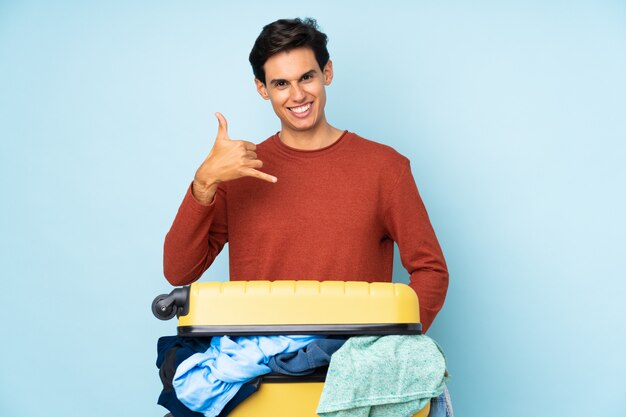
{"type": "Point", "coordinates": [300, 109]}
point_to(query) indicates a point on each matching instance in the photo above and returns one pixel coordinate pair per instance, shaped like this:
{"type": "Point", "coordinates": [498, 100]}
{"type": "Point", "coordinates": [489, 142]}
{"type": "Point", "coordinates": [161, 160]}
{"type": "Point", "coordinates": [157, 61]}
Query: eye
{"type": "Point", "coordinates": [307, 77]}
{"type": "Point", "coordinates": [281, 84]}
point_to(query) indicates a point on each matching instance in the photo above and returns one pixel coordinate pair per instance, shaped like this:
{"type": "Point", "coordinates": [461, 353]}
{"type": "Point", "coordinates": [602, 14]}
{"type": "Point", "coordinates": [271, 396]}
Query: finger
{"type": "Point", "coordinates": [251, 155]}
{"type": "Point", "coordinates": [249, 146]}
{"type": "Point", "coordinates": [222, 129]}
{"type": "Point", "coordinates": [254, 163]}
{"type": "Point", "coordinates": [261, 175]}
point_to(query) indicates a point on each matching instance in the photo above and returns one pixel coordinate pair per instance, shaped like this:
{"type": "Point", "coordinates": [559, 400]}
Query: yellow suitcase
{"type": "Point", "coordinates": [290, 307]}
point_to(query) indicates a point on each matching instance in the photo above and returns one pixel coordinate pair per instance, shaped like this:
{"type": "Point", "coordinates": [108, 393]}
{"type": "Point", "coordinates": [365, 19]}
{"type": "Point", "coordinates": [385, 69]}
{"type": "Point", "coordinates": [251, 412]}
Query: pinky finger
{"type": "Point", "coordinates": [261, 175]}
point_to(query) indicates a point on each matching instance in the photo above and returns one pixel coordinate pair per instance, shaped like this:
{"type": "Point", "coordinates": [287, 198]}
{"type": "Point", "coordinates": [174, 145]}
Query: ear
{"type": "Point", "coordinates": [260, 87]}
{"type": "Point", "coordinates": [328, 72]}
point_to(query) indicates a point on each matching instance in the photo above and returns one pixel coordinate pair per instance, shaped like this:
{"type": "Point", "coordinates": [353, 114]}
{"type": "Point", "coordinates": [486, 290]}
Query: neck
{"type": "Point", "coordinates": [316, 138]}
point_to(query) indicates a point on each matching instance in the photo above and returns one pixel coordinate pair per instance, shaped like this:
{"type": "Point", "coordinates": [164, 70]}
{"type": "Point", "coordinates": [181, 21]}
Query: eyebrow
{"type": "Point", "coordinates": [277, 80]}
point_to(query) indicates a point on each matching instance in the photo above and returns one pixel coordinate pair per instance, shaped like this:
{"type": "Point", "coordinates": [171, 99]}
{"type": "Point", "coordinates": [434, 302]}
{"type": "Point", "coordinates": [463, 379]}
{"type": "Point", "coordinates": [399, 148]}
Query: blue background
{"type": "Point", "coordinates": [512, 113]}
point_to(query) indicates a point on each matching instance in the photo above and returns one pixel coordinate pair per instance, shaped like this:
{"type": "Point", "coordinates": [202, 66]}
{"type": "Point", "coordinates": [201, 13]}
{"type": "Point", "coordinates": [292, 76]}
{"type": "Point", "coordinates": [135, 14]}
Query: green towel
{"type": "Point", "coordinates": [382, 376]}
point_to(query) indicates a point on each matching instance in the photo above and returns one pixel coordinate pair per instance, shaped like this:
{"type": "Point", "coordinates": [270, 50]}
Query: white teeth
{"type": "Point", "coordinates": [300, 109]}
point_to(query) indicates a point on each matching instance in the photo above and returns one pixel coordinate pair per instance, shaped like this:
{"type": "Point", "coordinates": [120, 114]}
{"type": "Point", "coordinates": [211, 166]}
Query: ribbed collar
{"type": "Point", "coordinates": [306, 153]}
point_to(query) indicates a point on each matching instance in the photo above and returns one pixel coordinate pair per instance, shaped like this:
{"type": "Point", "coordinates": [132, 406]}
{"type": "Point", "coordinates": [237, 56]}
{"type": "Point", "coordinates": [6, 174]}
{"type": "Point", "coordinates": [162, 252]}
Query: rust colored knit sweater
{"type": "Point", "coordinates": [334, 214]}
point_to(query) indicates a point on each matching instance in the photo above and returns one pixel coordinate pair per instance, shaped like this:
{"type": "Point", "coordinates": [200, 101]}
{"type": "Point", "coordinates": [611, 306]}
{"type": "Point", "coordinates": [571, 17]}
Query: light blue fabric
{"type": "Point", "coordinates": [205, 382]}
{"type": "Point", "coordinates": [441, 406]}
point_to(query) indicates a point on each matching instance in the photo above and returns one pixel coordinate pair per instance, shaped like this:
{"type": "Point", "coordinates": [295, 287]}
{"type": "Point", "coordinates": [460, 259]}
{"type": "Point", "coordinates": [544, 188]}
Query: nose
{"type": "Point", "coordinates": [296, 93]}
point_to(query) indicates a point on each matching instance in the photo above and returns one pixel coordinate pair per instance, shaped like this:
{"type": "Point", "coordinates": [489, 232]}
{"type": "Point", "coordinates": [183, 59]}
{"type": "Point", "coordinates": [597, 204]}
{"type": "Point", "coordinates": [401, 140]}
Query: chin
{"type": "Point", "coordinates": [302, 128]}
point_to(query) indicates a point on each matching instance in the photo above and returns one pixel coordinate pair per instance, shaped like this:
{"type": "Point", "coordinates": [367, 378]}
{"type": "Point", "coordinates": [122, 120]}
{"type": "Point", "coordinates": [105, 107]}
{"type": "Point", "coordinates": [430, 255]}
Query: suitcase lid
{"type": "Point", "coordinates": [299, 307]}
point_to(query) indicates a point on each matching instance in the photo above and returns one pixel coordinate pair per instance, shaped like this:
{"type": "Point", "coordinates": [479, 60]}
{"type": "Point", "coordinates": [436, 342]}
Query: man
{"type": "Point", "coordinates": [312, 201]}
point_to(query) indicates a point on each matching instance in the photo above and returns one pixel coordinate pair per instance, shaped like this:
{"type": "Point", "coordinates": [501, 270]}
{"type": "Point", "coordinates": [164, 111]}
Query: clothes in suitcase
{"type": "Point", "coordinates": [330, 308]}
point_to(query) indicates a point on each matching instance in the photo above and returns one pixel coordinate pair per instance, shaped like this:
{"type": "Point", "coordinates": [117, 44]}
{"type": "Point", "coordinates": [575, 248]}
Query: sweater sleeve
{"type": "Point", "coordinates": [196, 237]}
{"type": "Point", "coordinates": [407, 223]}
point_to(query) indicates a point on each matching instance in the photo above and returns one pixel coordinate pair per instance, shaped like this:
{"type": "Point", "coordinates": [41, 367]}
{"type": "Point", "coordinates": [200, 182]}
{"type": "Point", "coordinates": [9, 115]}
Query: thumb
{"type": "Point", "coordinates": [222, 129]}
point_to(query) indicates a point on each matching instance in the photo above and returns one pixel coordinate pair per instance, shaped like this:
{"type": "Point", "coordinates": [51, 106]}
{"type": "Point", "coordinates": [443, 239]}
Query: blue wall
{"type": "Point", "coordinates": [512, 113]}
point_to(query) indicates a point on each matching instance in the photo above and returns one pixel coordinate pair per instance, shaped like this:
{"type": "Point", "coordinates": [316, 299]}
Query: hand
{"type": "Point", "coordinates": [228, 160]}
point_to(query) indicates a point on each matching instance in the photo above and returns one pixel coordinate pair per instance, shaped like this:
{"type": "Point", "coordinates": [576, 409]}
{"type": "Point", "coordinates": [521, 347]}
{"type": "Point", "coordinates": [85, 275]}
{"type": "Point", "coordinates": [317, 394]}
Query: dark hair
{"type": "Point", "coordinates": [285, 35]}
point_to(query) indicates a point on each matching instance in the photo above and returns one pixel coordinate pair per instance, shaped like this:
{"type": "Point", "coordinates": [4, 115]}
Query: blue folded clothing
{"type": "Point", "coordinates": [307, 359]}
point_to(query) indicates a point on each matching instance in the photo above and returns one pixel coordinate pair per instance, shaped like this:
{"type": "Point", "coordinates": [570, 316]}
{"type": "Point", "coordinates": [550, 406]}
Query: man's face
{"type": "Point", "coordinates": [295, 85]}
